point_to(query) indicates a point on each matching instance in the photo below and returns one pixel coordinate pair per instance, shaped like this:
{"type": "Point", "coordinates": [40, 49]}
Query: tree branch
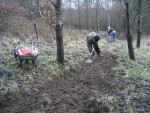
{"type": "Point", "coordinates": [122, 4]}
{"type": "Point", "coordinates": [52, 6]}
{"type": "Point", "coordinates": [45, 19]}
{"type": "Point", "coordinates": [51, 2]}
{"type": "Point", "coordinates": [145, 13]}
{"type": "Point", "coordinates": [130, 2]}
{"type": "Point", "coordinates": [134, 18]}
{"type": "Point", "coordinates": [43, 16]}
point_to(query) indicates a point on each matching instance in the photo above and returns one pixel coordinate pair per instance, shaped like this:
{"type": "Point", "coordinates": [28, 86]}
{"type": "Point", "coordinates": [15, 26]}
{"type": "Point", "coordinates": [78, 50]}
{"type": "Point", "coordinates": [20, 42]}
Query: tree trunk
{"type": "Point", "coordinates": [87, 15]}
{"type": "Point", "coordinates": [70, 13]}
{"type": "Point", "coordinates": [128, 35]}
{"type": "Point", "coordinates": [79, 16]}
{"type": "Point", "coordinates": [90, 15]}
{"type": "Point", "coordinates": [139, 23]}
{"type": "Point", "coordinates": [97, 15]}
{"type": "Point", "coordinates": [59, 33]}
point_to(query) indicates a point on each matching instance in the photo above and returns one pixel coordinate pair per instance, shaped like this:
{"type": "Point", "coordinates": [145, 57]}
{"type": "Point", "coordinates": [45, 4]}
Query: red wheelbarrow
{"type": "Point", "coordinates": [26, 54]}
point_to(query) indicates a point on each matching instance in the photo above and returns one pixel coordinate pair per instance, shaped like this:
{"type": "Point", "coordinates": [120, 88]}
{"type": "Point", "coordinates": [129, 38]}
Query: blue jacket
{"type": "Point", "coordinates": [110, 30]}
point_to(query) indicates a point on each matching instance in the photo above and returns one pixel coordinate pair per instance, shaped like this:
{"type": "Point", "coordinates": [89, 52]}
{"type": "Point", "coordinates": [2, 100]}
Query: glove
{"type": "Point", "coordinates": [92, 55]}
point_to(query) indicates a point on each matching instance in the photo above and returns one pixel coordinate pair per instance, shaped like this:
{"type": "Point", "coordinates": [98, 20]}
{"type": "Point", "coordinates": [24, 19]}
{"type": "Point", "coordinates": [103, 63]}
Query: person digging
{"type": "Point", "coordinates": [92, 44]}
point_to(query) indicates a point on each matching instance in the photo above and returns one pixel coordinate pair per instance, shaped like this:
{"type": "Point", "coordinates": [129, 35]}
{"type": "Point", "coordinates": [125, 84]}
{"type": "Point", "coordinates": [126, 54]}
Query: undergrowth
{"type": "Point", "coordinates": [135, 72]}
{"type": "Point", "coordinates": [129, 68]}
{"type": "Point", "coordinates": [46, 63]}
{"type": "Point", "coordinates": [136, 75]}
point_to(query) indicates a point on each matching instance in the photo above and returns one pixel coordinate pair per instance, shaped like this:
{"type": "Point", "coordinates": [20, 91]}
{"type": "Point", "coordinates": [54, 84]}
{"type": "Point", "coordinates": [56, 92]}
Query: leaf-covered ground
{"type": "Point", "coordinates": [112, 83]}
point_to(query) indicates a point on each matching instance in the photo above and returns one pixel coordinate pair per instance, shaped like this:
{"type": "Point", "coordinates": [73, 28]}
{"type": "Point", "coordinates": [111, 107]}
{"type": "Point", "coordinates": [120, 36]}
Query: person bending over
{"type": "Point", "coordinates": [92, 43]}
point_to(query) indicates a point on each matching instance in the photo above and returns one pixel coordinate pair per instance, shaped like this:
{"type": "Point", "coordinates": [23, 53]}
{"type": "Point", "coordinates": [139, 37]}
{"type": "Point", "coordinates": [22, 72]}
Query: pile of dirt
{"type": "Point", "coordinates": [81, 90]}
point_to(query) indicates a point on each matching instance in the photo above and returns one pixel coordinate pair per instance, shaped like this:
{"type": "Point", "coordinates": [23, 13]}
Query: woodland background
{"type": "Point", "coordinates": [79, 14]}
{"type": "Point", "coordinates": [111, 84]}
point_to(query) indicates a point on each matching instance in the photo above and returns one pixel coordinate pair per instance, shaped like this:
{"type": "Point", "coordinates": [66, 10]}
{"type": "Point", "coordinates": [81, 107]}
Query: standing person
{"type": "Point", "coordinates": [92, 43]}
{"type": "Point", "coordinates": [111, 34]}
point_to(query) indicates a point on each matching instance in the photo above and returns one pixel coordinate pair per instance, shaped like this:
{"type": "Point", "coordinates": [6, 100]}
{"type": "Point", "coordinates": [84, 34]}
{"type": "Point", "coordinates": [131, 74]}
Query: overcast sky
{"type": "Point", "coordinates": [105, 3]}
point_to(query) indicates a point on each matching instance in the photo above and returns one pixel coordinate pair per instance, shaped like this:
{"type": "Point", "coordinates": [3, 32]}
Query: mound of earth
{"type": "Point", "coordinates": [81, 90]}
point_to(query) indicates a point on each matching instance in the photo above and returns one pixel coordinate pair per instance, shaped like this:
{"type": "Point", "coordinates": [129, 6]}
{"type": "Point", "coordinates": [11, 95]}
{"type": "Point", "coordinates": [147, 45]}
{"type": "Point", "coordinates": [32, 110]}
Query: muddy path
{"type": "Point", "coordinates": [82, 90]}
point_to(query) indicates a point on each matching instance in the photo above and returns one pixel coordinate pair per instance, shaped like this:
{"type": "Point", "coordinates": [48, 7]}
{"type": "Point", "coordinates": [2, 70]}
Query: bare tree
{"type": "Point", "coordinates": [128, 35]}
{"type": "Point", "coordinates": [139, 23]}
{"type": "Point", "coordinates": [79, 14]}
{"type": "Point", "coordinates": [87, 14]}
{"type": "Point", "coordinates": [97, 14]}
{"type": "Point", "coordinates": [56, 7]}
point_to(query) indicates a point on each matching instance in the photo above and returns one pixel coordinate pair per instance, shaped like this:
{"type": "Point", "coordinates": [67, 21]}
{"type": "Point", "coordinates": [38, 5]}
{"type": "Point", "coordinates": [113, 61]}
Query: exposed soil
{"type": "Point", "coordinates": [82, 90]}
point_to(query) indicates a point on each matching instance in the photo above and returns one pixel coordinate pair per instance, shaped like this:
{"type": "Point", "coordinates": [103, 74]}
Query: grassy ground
{"type": "Point", "coordinates": [134, 93]}
{"type": "Point", "coordinates": [135, 74]}
{"type": "Point", "coordinates": [75, 52]}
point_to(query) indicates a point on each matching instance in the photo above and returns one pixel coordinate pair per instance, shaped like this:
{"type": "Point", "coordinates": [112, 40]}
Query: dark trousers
{"type": "Point", "coordinates": [15, 53]}
{"type": "Point", "coordinates": [97, 49]}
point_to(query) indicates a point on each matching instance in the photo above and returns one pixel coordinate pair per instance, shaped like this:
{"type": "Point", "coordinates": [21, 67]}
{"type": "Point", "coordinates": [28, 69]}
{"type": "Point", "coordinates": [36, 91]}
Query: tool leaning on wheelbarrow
{"type": "Point", "coordinates": [28, 52]}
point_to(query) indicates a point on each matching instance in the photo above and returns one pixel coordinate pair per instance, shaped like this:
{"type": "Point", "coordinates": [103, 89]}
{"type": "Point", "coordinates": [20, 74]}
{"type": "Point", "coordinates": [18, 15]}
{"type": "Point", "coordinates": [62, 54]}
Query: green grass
{"type": "Point", "coordinates": [140, 67]}
{"type": "Point", "coordinates": [137, 72]}
{"type": "Point", "coordinates": [75, 53]}
{"type": "Point", "coordinates": [47, 65]}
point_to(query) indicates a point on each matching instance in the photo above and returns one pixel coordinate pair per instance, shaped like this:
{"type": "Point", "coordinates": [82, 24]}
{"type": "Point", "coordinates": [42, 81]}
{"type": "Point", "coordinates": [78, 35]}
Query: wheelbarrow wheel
{"type": "Point", "coordinates": [33, 63]}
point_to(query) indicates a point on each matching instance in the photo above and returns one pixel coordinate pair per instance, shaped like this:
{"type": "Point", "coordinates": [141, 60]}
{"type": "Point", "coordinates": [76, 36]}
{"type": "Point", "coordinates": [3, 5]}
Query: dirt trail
{"type": "Point", "coordinates": [82, 90]}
